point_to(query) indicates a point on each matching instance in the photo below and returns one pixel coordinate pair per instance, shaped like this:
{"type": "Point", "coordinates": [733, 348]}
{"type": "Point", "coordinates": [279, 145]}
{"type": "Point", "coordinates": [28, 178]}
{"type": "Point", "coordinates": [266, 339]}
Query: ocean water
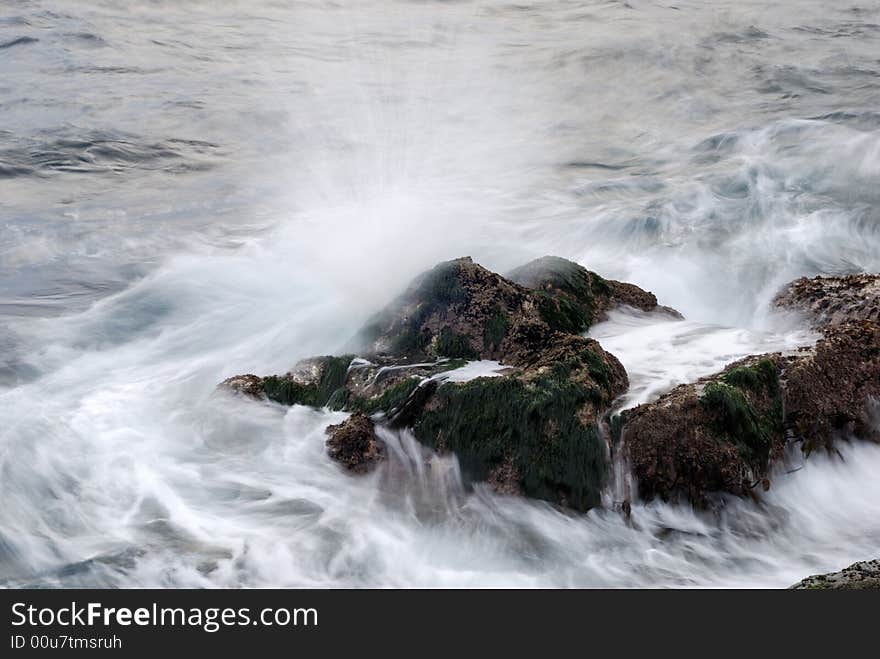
{"type": "Point", "coordinates": [190, 190]}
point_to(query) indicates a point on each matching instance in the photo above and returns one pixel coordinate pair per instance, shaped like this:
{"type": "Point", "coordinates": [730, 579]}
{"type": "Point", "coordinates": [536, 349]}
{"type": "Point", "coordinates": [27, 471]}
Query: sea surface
{"type": "Point", "coordinates": [191, 190]}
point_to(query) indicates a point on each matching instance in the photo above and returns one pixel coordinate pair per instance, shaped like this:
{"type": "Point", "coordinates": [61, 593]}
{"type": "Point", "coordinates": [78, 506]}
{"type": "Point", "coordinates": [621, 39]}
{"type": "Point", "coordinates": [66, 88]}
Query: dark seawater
{"type": "Point", "coordinates": [193, 190]}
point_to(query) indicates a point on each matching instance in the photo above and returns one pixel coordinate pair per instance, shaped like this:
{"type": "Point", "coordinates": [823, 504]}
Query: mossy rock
{"type": "Point", "coordinates": [454, 346]}
{"type": "Point", "coordinates": [327, 388]}
{"type": "Point", "coordinates": [746, 409]}
{"type": "Point", "coordinates": [566, 292]}
{"type": "Point", "coordinates": [400, 326]}
{"type": "Point", "coordinates": [571, 298]}
{"type": "Point", "coordinates": [718, 435]}
{"type": "Point", "coordinates": [493, 424]}
{"type": "Point", "coordinates": [496, 328]}
{"type": "Point", "coordinates": [532, 430]}
{"type": "Point", "coordinates": [392, 399]}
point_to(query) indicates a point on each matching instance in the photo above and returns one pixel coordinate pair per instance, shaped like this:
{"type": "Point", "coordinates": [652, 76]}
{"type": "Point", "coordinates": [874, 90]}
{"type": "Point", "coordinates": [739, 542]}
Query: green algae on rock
{"type": "Point", "coordinates": [725, 432]}
{"type": "Point", "coordinates": [313, 382]}
{"type": "Point", "coordinates": [572, 298]}
{"type": "Point", "coordinates": [523, 435]}
{"type": "Point", "coordinates": [531, 430]}
{"type": "Point", "coordinates": [715, 435]}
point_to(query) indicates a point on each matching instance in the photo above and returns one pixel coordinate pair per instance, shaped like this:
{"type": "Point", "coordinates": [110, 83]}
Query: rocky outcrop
{"type": "Point", "coordinates": [716, 435]}
{"type": "Point", "coordinates": [354, 444]}
{"type": "Point", "coordinates": [532, 429]}
{"type": "Point", "coordinates": [831, 301]}
{"type": "Point", "coordinates": [571, 298]}
{"type": "Point", "coordinates": [725, 432]}
{"type": "Point", "coordinates": [459, 309]}
{"type": "Point", "coordinates": [535, 428]}
{"type": "Point", "coordinates": [834, 388]}
{"type": "Point", "coordinates": [858, 576]}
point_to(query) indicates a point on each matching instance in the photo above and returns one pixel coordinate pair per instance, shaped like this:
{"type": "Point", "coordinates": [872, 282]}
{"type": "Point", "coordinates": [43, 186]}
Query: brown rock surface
{"type": "Point", "coordinates": [354, 444]}
{"type": "Point", "coordinates": [724, 433]}
{"type": "Point", "coordinates": [858, 576]}
{"type": "Point", "coordinates": [834, 300]}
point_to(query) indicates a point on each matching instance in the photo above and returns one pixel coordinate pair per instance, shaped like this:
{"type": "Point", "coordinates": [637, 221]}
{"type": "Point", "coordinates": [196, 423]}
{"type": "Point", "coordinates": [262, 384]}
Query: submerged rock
{"type": "Point", "coordinates": [858, 576]}
{"type": "Point", "coordinates": [354, 443]}
{"type": "Point", "coordinates": [532, 429]}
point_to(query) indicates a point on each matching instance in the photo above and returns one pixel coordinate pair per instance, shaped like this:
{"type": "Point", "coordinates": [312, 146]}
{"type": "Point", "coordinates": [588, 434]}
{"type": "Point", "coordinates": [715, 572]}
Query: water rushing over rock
{"type": "Point", "coordinates": [724, 432]}
{"type": "Point", "coordinates": [533, 429]}
{"type": "Point", "coordinates": [541, 429]}
{"type": "Point", "coordinates": [196, 190]}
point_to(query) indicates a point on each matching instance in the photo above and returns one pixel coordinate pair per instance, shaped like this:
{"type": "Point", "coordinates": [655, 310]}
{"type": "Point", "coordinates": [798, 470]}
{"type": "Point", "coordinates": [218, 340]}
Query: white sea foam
{"type": "Point", "coordinates": [355, 146]}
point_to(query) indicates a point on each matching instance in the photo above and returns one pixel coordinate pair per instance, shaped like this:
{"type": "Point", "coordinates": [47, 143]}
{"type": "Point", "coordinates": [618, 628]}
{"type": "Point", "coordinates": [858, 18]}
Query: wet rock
{"type": "Point", "coordinates": [532, 429]}
{"type": "Point", "coordinates": [535, 429]}
{"type": "Point", "coordinates": [571, 298]}
{"type": "Point", "coordinates": [458, 309]}
{"type": "Point", "coordinates": [715, 435]}
{"type": "Point", "coordinates": [831, 301]}
{"type": "Point", "coordinates": [248, 385]}
{"type": "Point", "coordinates": [725, 432]}
{"type": "Point", "coordinates": [312, 381]}
{"type": "Point", "coordinates": [461, 310]}
{"type": "Point", "coordinates": [858, 576]}
{"type": "Point", "coordinates": [833, 390]}
{"type": "Point", "coordinates": [354, 444]}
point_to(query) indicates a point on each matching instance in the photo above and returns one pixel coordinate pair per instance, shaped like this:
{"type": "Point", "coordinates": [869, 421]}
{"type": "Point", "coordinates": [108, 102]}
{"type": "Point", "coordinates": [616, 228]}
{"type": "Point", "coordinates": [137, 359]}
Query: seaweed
{"type": "Point", "coordinates": [597, 368]}
{"type": "Point", "coordinates": [437, 290]}
{"type": "Point", "coordinates": [760, 377]}
{"type": "Point", "coordinates": [490, 421]}
{"type": "Point", "coordinates": [495, 329]}
{"type": "Point", "coordinates": [450, 344]}
{"type": "Point", "coordinates": [287, 392]}
{"type": "Point", "coordinates": [566, 292]}
{"type": "Point", "coordinates": [330, 388]}
{"type": "Point", "coordinates": [737, 419]}
{"type": "Point", "coordinates": [391, 399]}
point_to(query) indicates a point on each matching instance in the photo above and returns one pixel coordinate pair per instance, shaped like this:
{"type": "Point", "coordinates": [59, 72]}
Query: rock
{"type": "Point", "coordinates": [858, 576]}
{"type": "Point", "coordinates": [834, 389]}
{"type": "Point", "coordinates": [725, 432]}
{"type": "Point", "coordinates": [248, 385]}
{"type": "Point", "coordinates": [537, 428]}
{"type": "Point", "coordinates": [354, 444]}
{"type": "Point", "coordinates": [461, 310]}
{"type": "Point", "coordinates": [572, 298]}
{"type": "Point", "coordinates": [534, 431]}
{"type": "Point", "coordinates": [715, 435]}
{"type": "Point", "coordinates": [830, 301]}
{"type": "Point", "coordinates": [458, 309]}
{"type": "Point", "coordinates": [531, 430]}
{"type": "Point", "coordinates": [312, 381]}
